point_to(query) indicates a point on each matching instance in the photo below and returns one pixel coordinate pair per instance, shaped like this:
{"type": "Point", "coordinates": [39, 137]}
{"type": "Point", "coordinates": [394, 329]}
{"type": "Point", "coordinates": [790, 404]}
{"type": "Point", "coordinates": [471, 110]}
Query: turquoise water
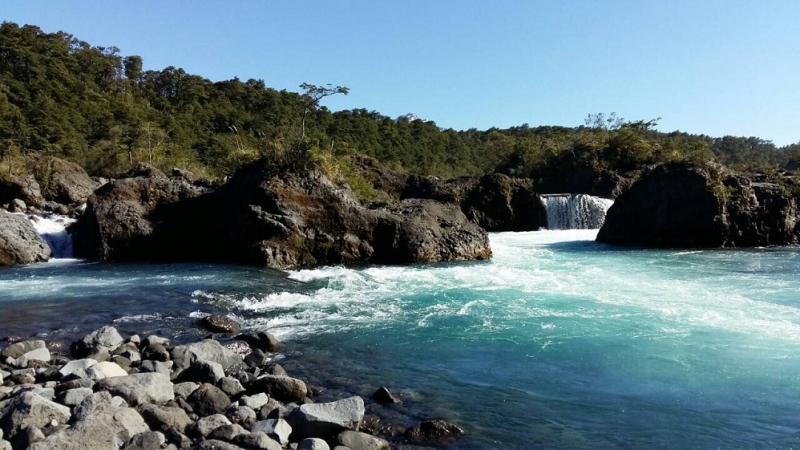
{"type": "Point", "coordinates": [559, 342]}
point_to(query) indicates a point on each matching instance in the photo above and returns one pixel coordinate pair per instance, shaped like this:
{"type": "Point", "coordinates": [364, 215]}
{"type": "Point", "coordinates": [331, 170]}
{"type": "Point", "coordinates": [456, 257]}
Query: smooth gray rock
{"type": "Point", "coordinates": [77, 367]}
{"type": "Point", "coordinates": [281, 388]}
{"type": "Point", "coordinates": [105, 369]}
{"type": "Point", "coordinates": [227, 432]}
{"type": "Point", "coordinates": [202, 371]}
{"type": "Point", "coordinates": [160, 418]}
{"type": "Point", "coordinates": [256, 441]}
{"type": "Point", "coordinates": [277, 429]}
{"type": "Point", "coordinates": [206, 350]}
{"type": "Point", "coordinates": [313, 444]}
{"type": "Point", "coordinates": [74, 397]}
{"type": "Point", "coordinates": [30, 409]}
{"type": "Point", "coordinates": [106, 338]}
{"type": "Point", "coordinates": [356, 440]}
{"type": "Point", "coordinates": [39, 354]}
{"type": "Point", "coordinates": [18, 349]}
{"type": "Point", "coordinates": [206, 425]}
{"type": "Point", "coordinates": [20, 243]}
{"type": "Point", "coordinates": [100, 431]}
{"type": "Point", "coordinates": [256, 401]}
{"type": "Point", "coordinates": [230, 386]}
{"type": "Point", "coordinates": [155, 340]}
{"type": "Point", "coordinates": [152, 366]}
{"type": "Point", "coordinates": [139, 388]}
{"type": "Point", "coordinates": [327, 420]}
{"type": "Point", "coordinates": [184, 389]}
{"type": "Point", "coordinates": [96, 403]}
{"type": "Point", "coordinates": [242, 415]}
{"type": "Point", "coordinates": [45, 393]}
{"type": "Point", "coordinates": [149, 440]}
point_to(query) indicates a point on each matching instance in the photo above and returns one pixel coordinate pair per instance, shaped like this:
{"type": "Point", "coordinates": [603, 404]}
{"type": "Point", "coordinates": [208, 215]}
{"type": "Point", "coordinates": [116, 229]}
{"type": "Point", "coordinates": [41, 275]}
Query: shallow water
{"type": "Point", "coordinates": [559, 342]}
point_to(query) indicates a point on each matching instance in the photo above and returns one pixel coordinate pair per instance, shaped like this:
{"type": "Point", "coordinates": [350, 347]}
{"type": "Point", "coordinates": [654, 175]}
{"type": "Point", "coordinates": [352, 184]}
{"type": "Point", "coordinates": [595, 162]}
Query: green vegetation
{"type": "Point", "coordinates": [61, 96]}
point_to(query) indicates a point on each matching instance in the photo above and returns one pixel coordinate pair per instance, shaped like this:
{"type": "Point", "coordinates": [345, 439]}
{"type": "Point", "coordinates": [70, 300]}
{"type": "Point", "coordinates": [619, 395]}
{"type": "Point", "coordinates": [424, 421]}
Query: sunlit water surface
{"type": "Point", "coordinates": [558, 342]}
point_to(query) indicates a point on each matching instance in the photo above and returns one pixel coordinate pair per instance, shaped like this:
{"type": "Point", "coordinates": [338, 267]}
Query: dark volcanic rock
{"type": "Point", "coordinates": [260, 340]}
{"type": "Point", "coordinates": [19, 241]}
{"type": "Point", "coordinates": [684, 205]}
{"type": "Point", "coordinates": [208, 399]}
{"type": "Point", "coordinates": [500, 203]}
{"type": "Point", "coordinates": [219, 324]}
{"type": "Point", "coordinates": [130, 218]}
{"type": "Point", "coordinates": [274, 216]}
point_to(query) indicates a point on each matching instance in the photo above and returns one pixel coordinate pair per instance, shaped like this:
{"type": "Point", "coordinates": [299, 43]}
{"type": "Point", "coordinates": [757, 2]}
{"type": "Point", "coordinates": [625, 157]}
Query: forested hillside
{"type": "Point", "coordinates": [61, 96]}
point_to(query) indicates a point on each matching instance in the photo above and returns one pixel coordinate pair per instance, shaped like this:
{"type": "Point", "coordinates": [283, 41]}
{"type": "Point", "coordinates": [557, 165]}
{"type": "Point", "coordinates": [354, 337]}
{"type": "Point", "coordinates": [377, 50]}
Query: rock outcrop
{"type": "Point", "coordinates": [63, 181]}
{"type": "Point", "coordinates": [273, 216]}
{"type": "Point", "coordinates": [689, 205]}
{"type": "Point", "coordinates": [19, 241]}
{"type": "Point", "coordinates": [494, 202]}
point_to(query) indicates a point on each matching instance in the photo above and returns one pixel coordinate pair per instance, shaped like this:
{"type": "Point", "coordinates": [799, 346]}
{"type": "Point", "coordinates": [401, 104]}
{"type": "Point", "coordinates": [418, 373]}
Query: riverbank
{"type": "Point", "coordinates": [105, 392]}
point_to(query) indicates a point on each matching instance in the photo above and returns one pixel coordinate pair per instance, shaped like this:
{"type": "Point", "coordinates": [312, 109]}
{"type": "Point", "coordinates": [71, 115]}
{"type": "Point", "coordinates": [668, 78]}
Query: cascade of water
{"type": "Point", "coordinates": [53, 230]}
{"type": "Point", "coordinates": [575, 211]}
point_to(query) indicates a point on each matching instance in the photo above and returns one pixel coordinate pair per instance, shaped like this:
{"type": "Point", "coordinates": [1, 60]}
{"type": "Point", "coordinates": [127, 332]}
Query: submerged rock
{"type": "Point", "coordinates": [433, 432]}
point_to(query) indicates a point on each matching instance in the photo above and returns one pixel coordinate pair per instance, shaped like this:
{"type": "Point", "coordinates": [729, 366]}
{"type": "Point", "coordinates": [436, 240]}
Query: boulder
{"type": "Point", "coordinates": [77, 367]}
{"type": "Point", "coordinates": [326, 420]}
{"type": "Point", "coordinates": [206, 425]}
{"type": "Point", "coordinates": [701, 205]}
{"type": "Point", "coordinates": [23, 187]}
{"type": "Point", "coordinates": [313, 444]}
{"type": "Point", "coordinates": [105, 369]}
{"type": "Point", "coordinates": [148, 440]}
{"type": "Point", "coordinates": [276, 216]}
{"type": "Point", "coordinates": [243, 415]}
{"type": "Point", "coordinates": [19, 241]}
{"type": "Point", "coordinates": [219, 324]}
{"type": "Point", "coordinates": [184, 389]}
{"type": "Point", "coordinates": [208, 399]}
{"type": "Point", "coordinates": [63, 181]}
{"type": "Point", "coordinates": [255, 401]}
{"type": "Point", "coordinates": [281, 388]}
{"type": "Point", "coordinates": [129, 219]}
{"type": "Point", "coordinates": [29, 409]}
{"type": "Point", "coordinates": [18, 349]}
{"type": "Point", "coordinates": [277, 429]}
{"type": "Point", "coordinates": [151, 366]}
{"type": "Point", "coordinates": [139, 388]}
{"type": "Point", "coordinates": [106, 338]}
{"type": "Point", "coordinates": [28, 436]}
{"type": "Point", "coordinates": [260, 340]}
{"type": "Point", "coordinates": [230, 386]}
{"type": "Point", "coordinates": [39, 354]}
{"type": "Point", "coordinates": [161, 418]}
{"type": "Point", "coordinates": [226, 433]}
{"type": "Point", "coordinates": [433, 432]}
{"type": "Point", "coordinates": [256, 440]}
{"type": "Point", "coordinates": [355, 440]}
{"type": "Point", "coordinates": [202, 371]}
{"type": "Point", "coordinates": [101, 431]}
{"type": "Point", "coordinates": [74, 397]}
{"type": "Point", "coordinates": [206, 350]}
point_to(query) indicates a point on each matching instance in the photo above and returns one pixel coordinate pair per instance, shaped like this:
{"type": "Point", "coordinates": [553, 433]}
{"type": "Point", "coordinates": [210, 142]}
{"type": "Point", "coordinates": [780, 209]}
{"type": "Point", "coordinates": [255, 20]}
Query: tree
{"type": "Point", "coordinates": [311, 97]}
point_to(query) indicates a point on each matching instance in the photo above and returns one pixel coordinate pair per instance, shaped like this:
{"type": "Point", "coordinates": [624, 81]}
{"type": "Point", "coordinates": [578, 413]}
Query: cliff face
{"type": "Point", "coordinates": [685, 205]}
{"type": "Point", "coordinates": [274, 216]}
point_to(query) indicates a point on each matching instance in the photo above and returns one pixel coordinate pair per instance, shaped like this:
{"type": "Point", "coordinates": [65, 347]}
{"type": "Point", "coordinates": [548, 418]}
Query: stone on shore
{"type": "Point", "coordinates": [277, 429]}
{"type": "Point", "coordinates": [206, 350]}
{"type": "Point", "coordinates": [148, 440]}
{"type": "Point", "coordinates": [260, 340]}
{"type": "Point", "coordinates": [18, 349]}
{"type": "Point", "coordinates": [39, 354]}
{"type": "Point", "coordinates": [206, 425]}
{"type": "Point", "coordinates": [77, 367]}
{"type": "Point", "coordinates": [106, 338]}
{"type": "Point", "coordinates": [355, 440]}
{"type": "Point", "coordinates": [30, 409]}
{"type": "Point", "coordinates": [105, 369]}
{"type": "Point", "coordinates": [161, 418]}
{"type": "Point", "coordinates": [327, 420]}
{"type": "Point", "coordinates": [139, 388]}
{"type": "Point", "coordinates": [208, 399]}
{"type": "Point", "coordinates": [256, 440]}
{"type": "Point", "coordinates": [281, 388]}
{"type": "Point", "coordinates": [201, 371]}
{"type": "Point", "coordinates": [313, 444]}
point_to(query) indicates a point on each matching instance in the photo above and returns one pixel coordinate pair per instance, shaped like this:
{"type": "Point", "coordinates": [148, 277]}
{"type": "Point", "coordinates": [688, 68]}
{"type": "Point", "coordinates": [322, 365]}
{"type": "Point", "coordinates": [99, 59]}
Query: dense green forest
{"type": "Point", "coordinates": [61, 96]}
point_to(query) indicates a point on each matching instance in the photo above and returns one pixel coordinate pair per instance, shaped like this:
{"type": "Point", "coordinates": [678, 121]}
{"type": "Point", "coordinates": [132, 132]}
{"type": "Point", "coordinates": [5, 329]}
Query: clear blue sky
{"type": "Point", "coordinates": [714, 67]}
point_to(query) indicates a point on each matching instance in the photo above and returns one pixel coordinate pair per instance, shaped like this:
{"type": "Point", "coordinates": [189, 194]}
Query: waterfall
{"type": "Point", "coordinates": [53, 229]}
{"type": "Point", "coordinates": [575, 211]}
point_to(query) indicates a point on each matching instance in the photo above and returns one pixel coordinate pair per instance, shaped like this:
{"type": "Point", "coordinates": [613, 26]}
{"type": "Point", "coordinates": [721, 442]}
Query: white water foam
{"type": "Point", "coordinates": [53, 229]}
{"type": "Point", "coordinates": [575, 211]}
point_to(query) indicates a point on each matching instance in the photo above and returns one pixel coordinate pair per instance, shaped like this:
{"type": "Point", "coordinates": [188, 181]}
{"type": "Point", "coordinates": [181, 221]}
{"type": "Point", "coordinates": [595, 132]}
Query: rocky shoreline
{"type": "Point", "coordinates": [110, 392]}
